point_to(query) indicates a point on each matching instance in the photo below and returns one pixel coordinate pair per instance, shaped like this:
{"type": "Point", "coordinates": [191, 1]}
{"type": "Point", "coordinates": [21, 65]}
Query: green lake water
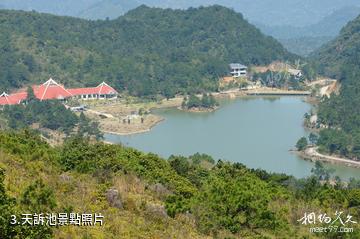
{"type": "Point", "coordinates": [255, 131]}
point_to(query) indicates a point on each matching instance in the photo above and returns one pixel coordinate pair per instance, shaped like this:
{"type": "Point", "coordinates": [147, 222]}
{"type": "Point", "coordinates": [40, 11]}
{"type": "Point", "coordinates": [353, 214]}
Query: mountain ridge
{"type": "Point", "coordinates": [343, 50]}
{"type": "Point", "coordinates": [340, 113]}
{"type": "Point", "coordinates": [304, 40]}
{"type": "Point", "coordinates": [148, 51]}
{"type": "Point", "coordinates": [276, 12]}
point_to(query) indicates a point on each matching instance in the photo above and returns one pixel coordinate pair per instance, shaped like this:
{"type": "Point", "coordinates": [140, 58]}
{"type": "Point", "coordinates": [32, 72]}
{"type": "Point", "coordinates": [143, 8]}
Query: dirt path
{"type": "Point", "coordinates": [313, 154]}
{"type": "Point", "coordinates": [322, 82]}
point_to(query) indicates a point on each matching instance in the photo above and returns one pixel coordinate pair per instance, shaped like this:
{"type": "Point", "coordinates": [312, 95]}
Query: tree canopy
{"type": "Point", "coordinates": [219, 197]}
{"type": "Point", "coordinates": [147, 51]}
{"type": "Point", "coordinates": [50, 114]}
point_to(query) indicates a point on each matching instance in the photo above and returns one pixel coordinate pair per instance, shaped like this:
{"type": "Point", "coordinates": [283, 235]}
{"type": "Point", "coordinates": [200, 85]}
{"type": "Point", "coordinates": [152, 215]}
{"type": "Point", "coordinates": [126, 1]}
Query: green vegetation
{"type": "Point", "coordinates": [207, 101]}
{"type": "Point", "coordinates": [341, 113]}
{"type": "Point", "coordinates": [305, 45]}
{"type": "Point", "coordinates": [185, 52]}
{"type": "Point", "coordinates": [50, 114]}
{"type": "Point", "coordinates": [321, 172]}
{"type": "Point", "coordinates": [313, 138]}
{"type": "Point", "coordinates": [8, 207]}
{"type": "Point", "coordinates": [16, 66]}
{"type": "Point", "coordinates": [302, 143]}
{"type": "Point", "coordinates": [342, 51]}
{"type": "Point", "coordinates": [281, 80]}
{"type": "Point", "coordinates": [202, 198]}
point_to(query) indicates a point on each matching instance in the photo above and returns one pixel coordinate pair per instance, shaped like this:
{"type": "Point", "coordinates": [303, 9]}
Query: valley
{"type": "Point", "coordinates": [166, 121]}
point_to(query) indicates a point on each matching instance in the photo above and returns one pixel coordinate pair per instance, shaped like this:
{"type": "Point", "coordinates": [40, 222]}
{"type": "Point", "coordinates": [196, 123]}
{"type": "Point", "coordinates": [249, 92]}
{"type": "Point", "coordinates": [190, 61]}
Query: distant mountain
{"type": "Point", "coordinates": [342, 51]}
{"type": "Point", "coordinates": [108, 9]}
{"type": "Point", "coordinates": [328, 26]}
{"type": "Point", "coordinates": [148, 51]}
{"type": "Point", "coordinates": [304, 40]}
{"type": "Point", "coordinates": [58, 7]}
{"type": "Point", "coordinates": [304, 46]}
{"type": "Point", "coordinates": [269, 12]}
{"type": "Point", "coordinates": [288, 12]}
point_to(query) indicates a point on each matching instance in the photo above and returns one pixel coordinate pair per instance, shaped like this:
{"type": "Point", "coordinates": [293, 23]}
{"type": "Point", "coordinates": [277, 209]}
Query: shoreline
{"type": "Point", "coordinates": [199, 110]}
{"type": "Point", "coordinates": [134, 132]}
{"type": "Point", "coordinates": [312, 154]}
{"type": "Point", "coordinates": [116, 108]}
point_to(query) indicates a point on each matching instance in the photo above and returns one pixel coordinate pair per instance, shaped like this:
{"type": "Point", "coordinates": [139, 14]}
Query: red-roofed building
{"type": "Point", "coordinates": [52, 90]}
{"type": "Point", "coordinates": [102, 91]}
{"type": "Point", "coordinates": [13, 99]}
{"type": "Point", "coordinates": [4, 99]}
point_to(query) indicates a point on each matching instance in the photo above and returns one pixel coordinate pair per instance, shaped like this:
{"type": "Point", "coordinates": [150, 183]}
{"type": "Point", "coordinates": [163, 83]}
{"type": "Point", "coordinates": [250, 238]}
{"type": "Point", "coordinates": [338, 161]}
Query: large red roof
{"type": "Point", "coordinates": [4, 99]}
{"type": "Point", "coordinates": [106, 89]}
{"type": "Point", "coordinates": [84, 91]}
{"type": "Point", "coordinates": [51, 90]}
{"type": "Point", "coordinates": [102, 89]}
{"type": "Point", "coordinates": [12, 99]}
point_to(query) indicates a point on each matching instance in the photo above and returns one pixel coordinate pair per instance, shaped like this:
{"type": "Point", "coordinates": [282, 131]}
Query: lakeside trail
{"type": "Point", "coordinates": [312, 154]}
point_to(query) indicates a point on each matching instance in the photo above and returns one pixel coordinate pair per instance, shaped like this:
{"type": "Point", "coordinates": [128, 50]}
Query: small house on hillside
{"type": "Point", "coordinates": [238, 70]}
{"type": "Point", "coordinates": [297, 73]}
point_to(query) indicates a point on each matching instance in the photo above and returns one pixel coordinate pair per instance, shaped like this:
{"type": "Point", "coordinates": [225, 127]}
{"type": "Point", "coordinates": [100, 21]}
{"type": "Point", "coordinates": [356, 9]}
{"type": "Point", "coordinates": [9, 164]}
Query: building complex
{"type": "Point", "coordinates": [52, 90]}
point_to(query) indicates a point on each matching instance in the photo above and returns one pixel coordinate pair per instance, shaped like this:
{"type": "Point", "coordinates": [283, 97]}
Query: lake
{"type": "Point", "coordinates": [255, 131]}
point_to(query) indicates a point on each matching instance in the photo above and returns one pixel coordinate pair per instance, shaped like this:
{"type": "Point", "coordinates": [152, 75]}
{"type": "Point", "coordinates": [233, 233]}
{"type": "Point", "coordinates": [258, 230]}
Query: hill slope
{"type": "Point", "coordinates": [341, 59]}
{"type": "Point", "coordinates": [304, 40]}
{"type": "Point", "coordinates": [342, 50]}
{"type": "Point", "coordinates": [276, 12]}
{"type": "Point", "coordinates": [58, 7]}
{"type": "Point", "coordinates": [108, 9]}
{"type": "Point", "coordinates": [147, 51]}
{"type": "Point", "coordinates": [143, 196]}
{"type": "Point", "coordinates": [330, 25]}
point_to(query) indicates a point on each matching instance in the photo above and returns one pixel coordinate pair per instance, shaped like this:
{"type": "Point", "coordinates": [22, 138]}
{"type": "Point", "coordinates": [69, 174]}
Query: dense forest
{"type": "Point", "coordinates": [341, 113]}
{"type": "Point", "coordinates": [50, 114]}
{"type": "Point", "coordinates": [144, 196]}
{"type": "Point", "coordinates": [148, 51]}
{"type": "Point", "coordinates": [341, 51]}
{"type": "Point", "coordinates": [206, 101]}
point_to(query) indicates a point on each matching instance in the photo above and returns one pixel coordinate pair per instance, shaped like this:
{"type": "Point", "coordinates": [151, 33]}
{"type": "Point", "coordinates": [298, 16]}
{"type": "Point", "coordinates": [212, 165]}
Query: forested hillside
{"type": "Point", "coordinates": [144, 196]}
{"type": "Point", "coordinates": [341, 59]}
{"type": "Point", "coordinates": [148, 51]}
{"type": "Point", "coordinates": [341, 51]}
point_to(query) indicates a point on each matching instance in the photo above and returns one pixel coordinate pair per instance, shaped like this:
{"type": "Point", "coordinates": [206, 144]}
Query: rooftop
{"type": "Point", "coordinates": [294, 71]}
{"type": "Point", "coordinates": [52, 90]}
{"type": "Point", "coordinates": [237, 65]}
